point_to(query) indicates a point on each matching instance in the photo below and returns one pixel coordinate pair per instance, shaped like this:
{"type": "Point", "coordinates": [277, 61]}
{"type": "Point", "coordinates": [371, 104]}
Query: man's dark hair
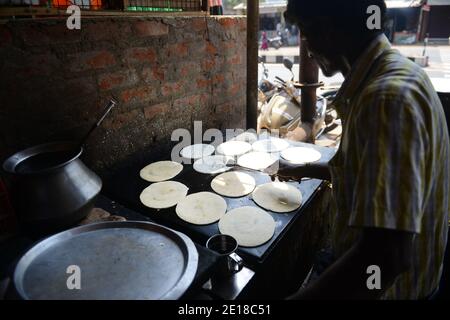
{"type": "Point", "coordinates": [347, 15]}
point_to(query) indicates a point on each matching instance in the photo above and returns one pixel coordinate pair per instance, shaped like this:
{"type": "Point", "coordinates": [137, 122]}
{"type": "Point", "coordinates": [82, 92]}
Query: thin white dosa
{"type": "Point", "coordinates": [233, 184]}
{"type": "Point", "coordinates": [301, 155]}
{"type": "Point", "coordinates": [250, 226]}
{"type": "Point", "coordinates": [278, 197]}
{"type": "Point", "coordinates": [213, 164]}
{"type": "Point", "coordinates": [234, 148]}
{"type": "Point", "coordinates": [257, 160]}
{"type": "Point", "coordinates": [197, 151]}
{"type": "Point", "coordinates": [201, 208]}
{"type": "Point", "coordinates": [161, 171]}
{"type": "Point", "coordinates": [247, 136]}
{"type": "Point", "coordinates": [163, 195]}
{"type": "Point", "coordinates": [270, 145]}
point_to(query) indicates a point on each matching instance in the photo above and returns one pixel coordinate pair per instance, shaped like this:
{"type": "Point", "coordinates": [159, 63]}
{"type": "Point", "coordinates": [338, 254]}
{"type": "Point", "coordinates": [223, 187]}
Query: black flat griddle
{"type": "Point", "coordinates": [125, 186]}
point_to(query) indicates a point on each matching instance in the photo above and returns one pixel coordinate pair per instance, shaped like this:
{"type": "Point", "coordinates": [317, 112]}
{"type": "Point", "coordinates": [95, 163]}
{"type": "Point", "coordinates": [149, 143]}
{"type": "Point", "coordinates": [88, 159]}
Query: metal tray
{"type": "Point", "coordinates": [117, 260]}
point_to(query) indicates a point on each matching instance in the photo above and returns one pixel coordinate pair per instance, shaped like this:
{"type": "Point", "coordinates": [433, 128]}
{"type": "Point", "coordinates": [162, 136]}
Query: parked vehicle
{"type": "Point", "coordinates": [266, 89]}
{"type": "Point", "coordinates": [275, 42]}
{"type": "Point", "coordinates": [282, 110]}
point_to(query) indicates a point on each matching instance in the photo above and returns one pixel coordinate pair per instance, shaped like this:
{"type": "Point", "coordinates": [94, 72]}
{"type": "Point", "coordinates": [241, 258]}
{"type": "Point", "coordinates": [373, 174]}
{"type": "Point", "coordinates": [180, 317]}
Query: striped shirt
{"type": "Point", "coordinates": [392, 168]}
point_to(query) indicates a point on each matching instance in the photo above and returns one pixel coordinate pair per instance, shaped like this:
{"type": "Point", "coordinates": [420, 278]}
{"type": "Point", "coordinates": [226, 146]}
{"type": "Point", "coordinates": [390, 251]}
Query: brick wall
{"type": "Point", "coordinates": [165, 72]}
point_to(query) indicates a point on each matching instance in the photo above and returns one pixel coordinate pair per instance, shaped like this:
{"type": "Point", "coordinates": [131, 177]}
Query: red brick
{"type": "Point", "coordinates": [151, 112]}
{"type": "Point", "coordinates": [210, 49]}
{"type": "Point", "coordinates": [224, 108]}
{"type": "Point", "coordinates": [140, 55]}
{"type": "Point", "coordinates": [228, 45]}
{"type": "Point", "coordinates": [154, 73]}
{"type": "Point", "coordinates": [151, 28]}
{"type": "Point", "coordinates": [189, 101]}
{"type": "Point", "coordinates": [219, 78]}
{"type": "Point", "coordinates": [203, 83]}
{"type": "Point", "coordinates": [198, 24]}
{"type": "Point", "coordinates": [184, 71]}
{"type": "Point", "coordinates": [179, 50]}
{"type": "Point", "coordinates": [93, 60]}
{"type": "Point", "coordinates": [140, 94]}
{"type": "Point", "coordinates": [236, 59]}
{"type": "Point", "coordinates": [228, 23]}
{"type": "Point", "coordinates": [5, 36]}
{"type": "Point", "coordinates": [208, 64]}
{"type": "Point", "coordinates": [121, 120]}
{"type": "Point", "coordinates": [189, 68]}
{"type": "Point", "coordinates": [172, 88]}
{"type": "Point", "coordinates": [118, 79]}
{"type": "Point", "coordinates": [234, 89]}
{"type": "Point", "coordinates": [242, 24]}
{"type": "Point", "coordinates": [204, 98]}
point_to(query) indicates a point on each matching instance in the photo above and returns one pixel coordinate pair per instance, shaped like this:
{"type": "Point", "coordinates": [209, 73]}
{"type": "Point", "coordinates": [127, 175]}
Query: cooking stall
{"type": "Point", "coordinates": [166, 72]}
{"type": "Point", "coordinates": [260, 263]}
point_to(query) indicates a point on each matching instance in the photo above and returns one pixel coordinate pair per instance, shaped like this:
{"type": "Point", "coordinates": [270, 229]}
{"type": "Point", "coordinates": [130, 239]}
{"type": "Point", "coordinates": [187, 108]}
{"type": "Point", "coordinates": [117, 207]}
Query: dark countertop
{"type": "Point", "coordinates": [125, 185]}
{"type": "Point", "coordinates": [12, 249]}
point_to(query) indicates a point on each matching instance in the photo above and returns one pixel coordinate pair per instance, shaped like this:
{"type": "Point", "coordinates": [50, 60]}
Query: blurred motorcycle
{"type": "Point", "coordinates": [275, 42]}
{"type": "Point", "coordinates": [266, 89]}
{"type": "Point", "coordinates": [282, 112]}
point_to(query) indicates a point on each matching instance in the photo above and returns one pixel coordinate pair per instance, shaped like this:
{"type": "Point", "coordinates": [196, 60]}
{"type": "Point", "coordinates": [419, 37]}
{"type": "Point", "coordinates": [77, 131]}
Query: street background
{"type": "Point", "coordinates": [439, 62]}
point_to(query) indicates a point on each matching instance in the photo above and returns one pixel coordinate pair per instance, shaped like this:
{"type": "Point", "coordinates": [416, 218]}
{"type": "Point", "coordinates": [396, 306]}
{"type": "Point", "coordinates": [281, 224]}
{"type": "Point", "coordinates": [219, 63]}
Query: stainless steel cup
{"type": "Point", "coordinates": [225, 245]}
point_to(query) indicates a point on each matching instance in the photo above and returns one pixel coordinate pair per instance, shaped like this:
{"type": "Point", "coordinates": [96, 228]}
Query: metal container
{"type": "Point", "coordinates": [225, 246]}
{"type": "Point", "coordinates": [114, 260]}
{"type": "Point", "coordinates": [51, 188]}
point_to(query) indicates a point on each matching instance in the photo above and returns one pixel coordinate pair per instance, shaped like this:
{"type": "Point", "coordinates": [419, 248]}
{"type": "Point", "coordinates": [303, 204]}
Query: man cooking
{"type": "Point", "coordinates": [390, 176]}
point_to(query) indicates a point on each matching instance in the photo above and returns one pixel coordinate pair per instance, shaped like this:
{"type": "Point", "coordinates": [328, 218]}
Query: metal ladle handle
{"type": "Point", "coordinates": [111, 104]}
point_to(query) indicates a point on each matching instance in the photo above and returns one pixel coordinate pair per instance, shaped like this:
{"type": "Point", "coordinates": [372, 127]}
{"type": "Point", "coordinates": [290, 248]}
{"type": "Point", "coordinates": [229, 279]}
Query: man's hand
{"type": "Point", "coordinates": [288, 171]}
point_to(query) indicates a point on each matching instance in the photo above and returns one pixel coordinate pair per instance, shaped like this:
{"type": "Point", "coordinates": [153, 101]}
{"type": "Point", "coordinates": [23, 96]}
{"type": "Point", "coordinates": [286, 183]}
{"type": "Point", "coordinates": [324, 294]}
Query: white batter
{"type": "Point", "coordinates": [301, 155]}
{"type": "Point", "coordinates": [257, 160]}
{"type": "Point", "coordinates": [250, 226]}
{"type": "Point", "coordinates": [213, 164]}
{"type": "Point", "coordinates": [197, 151]}
{"type": "Point", "coordinates": [201, 208]}
{"type": "Point", "coordinates": [163, 195]}
{"type": "Point", "coordinates": [234, 148]}
{"type": "Point", "coordinates": [278, 197]}
{"type": "Point", "coordinates": [270, 145]}
{"type": "Point", "coordinates": [161, 171]}
{"type": "Point", "coordinates": [233, 184]}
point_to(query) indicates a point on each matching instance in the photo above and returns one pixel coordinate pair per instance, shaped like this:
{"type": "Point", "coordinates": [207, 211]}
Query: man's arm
{"type": "Point", "coordinates": [390, 250]}
{"type": "Point", "coordinates": [287, 171]}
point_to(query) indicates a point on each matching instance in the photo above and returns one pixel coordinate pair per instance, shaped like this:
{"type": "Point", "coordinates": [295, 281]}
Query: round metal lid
{"type": "Point", "coordinates": [112, 260]}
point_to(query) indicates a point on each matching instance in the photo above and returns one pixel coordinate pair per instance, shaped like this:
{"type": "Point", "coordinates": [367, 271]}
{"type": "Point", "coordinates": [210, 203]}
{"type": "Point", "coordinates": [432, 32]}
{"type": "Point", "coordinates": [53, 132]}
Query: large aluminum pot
{"type": "Point", "coordinates": [51, 188]}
